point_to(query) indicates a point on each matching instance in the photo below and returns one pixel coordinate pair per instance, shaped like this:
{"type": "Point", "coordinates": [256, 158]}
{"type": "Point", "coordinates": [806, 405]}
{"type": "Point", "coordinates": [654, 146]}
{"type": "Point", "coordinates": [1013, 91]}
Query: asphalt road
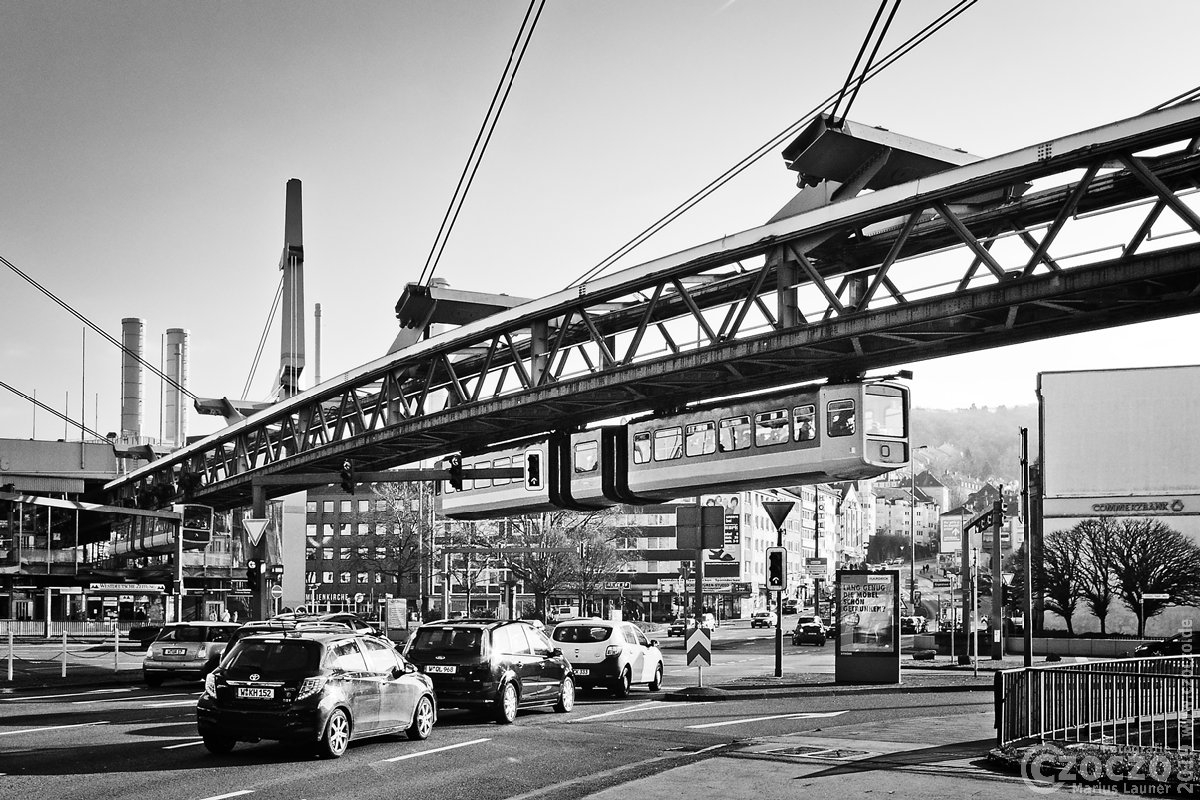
{"type": "Point", "coordinates": [132, 742]}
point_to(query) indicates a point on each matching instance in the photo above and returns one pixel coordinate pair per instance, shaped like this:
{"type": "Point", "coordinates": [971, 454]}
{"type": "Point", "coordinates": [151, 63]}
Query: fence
{"type": "Point", "coordinates": [1142, 702]}
{"type": "Point", "coordinates": [37, 628]}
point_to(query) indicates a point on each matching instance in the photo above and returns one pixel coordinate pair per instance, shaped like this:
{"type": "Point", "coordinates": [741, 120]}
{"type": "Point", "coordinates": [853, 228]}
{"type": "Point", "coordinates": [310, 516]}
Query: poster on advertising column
{"type": "Point", "coordinates": [867, 647]}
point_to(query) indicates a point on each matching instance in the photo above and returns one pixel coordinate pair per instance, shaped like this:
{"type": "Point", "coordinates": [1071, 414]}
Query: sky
{"type": "Point", "coordinates": [145, 148]}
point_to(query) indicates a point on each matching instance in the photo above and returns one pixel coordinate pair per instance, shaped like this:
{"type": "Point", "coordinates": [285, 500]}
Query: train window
{"type": "Point", "coordinates": [771, 427]}
{"type": "Point", "coordinates": [501, 462]}
{"type": "Point", "coordinates": [482, 483]}
{"type": "Point", "coordinates": [668, 444]}
{"type": "Point", "coordinates": [804, 422]}
{"type": "Point", "coordinates": [841, 417]}
{"type": "Point", "coordinates": [700, 439]}
{"type": "Point", "coordinates": [735, 434]}
{"type": "Point", "coordinates": [641, 448]}
{"type": "Point", "coordinates": [883, 414]}
{"type": "Point", "coordinates": [587, 456]}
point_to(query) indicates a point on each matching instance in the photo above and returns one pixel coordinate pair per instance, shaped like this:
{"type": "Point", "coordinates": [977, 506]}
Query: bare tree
{"type": "Point", "coordinates": [1150, 557]}
{"type": "Point", "coordinates": [547, 572]}
{"type": "Point", "coordinates": [1098, 567]}
{"type": "Point", "coordinates": [468, 569]}
{"type": "Point", "coordinates": [1059, 578]}
{"type": "Point", "coordinates": [396, 549]}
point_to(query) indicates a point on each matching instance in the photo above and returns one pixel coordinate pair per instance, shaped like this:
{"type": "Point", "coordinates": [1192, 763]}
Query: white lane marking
{"type": "Point", "coordinates": [57, 696]}
{"type": "Point", "coordinates": [231, 794]}
{"type": "Point", "coordinates": [436, 750]}
{"type": "Point", "coordinates": [185, 744]}
{"type": "Point", "coordinates": [638, 707]}
{"type": "Point", "coordinates": [802, 715]}
{"type": "Point", "coordinates": [55, 727]}
{"type": "Point", "coordinates": [139, 698]}
{"type": "Point", "coordinates": [171, 704]}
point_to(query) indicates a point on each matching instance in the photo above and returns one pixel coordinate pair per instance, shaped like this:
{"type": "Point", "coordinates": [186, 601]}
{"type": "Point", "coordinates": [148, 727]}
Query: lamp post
{"type": "Point", "coordinates": [912, 527]}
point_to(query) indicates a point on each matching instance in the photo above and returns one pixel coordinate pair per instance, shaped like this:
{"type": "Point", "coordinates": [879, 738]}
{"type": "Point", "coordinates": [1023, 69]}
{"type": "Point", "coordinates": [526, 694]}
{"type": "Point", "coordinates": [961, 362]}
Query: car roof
{"type": "Point", "coordinates": [201, 624]}
{"type": "Point", "coordinates": [474, 623]}
{"type": "Point", "coordinates": [309, 633]}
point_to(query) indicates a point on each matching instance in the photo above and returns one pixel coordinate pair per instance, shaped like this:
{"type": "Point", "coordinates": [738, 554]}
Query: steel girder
{"type": "Point", "coordinates": [1054, 239]}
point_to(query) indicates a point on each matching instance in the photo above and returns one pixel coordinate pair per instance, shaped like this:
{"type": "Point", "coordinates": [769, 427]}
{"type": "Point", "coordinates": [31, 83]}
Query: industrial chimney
{"type": "Point", "coordinates": [132, 334]}
{"type": "Point", "coordinates": [175, 422]}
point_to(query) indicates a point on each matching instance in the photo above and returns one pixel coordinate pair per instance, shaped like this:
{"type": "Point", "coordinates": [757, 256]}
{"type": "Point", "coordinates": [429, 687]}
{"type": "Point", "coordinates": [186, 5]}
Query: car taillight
{"type": "Point", "coordinates": [210, 685]}
{"type": "Point", "coordinates": [612, 650]}
{"type": "Point", "coordinates": [310, 686]}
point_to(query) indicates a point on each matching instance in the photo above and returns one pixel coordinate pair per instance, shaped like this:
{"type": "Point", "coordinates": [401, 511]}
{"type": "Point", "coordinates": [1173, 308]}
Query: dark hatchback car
{"type": "Point", "coordinates": [496, 666]}
{"type": "Point", "coordinates": [321, 688]}
{"type": "Point", "coordinates": [1178, 645]}
{"type": "Point", "coordinates": [808, 633]}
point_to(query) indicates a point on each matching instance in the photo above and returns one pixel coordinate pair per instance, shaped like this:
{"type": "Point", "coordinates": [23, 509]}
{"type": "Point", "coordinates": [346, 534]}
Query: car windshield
{"type": "Point", "coordinates": [447, 640]}
{"type": "Point", "coordinates": [274, 659]}
{"type": "Point", "coordinates": [581, 633]}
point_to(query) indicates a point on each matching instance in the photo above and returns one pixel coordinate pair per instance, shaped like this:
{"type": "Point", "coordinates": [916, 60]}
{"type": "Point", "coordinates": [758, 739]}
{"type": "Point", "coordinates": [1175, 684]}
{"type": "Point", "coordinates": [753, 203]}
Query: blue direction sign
{"type": "Point", "coordinates": [699, 648]}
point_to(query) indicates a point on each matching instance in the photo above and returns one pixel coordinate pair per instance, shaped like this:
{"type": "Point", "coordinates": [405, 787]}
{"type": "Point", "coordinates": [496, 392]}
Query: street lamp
{"type": "Point", "coordinates": [912, 527]}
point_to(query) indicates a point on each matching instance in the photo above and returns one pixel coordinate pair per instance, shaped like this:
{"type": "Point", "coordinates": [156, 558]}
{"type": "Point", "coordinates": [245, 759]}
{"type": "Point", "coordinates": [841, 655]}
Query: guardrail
{"type": "Point", "coordinates": [1142, 702]}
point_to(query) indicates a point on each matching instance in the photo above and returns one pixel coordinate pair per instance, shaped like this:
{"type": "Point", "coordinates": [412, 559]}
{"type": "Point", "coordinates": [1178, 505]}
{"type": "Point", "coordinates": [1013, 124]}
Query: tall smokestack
{"type": "Point", "coordinates": [132, 334]}
{"type": "Point", "coordinates": [291, 353]}
{"type": "Point", "coordinates": [175, 426]}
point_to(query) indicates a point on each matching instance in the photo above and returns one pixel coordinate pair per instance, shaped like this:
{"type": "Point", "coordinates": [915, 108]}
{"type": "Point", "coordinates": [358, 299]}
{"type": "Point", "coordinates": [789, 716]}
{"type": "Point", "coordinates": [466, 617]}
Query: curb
{"type": "Point", "coordinates": [722, 693]}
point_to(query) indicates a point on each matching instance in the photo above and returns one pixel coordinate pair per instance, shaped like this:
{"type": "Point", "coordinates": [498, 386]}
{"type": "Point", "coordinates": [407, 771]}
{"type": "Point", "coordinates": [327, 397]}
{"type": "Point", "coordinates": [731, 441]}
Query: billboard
{"type": "Point", "coordinates": [867, 611]}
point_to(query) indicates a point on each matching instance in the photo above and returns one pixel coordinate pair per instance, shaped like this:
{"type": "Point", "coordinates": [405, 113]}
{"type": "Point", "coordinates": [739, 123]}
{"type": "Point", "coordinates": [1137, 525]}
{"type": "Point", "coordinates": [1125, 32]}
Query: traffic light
{"type": "Point", "coordinates": [1007, 596]}
{"type": "Point", "coordinates": [533, 469]}
{"type": "Point", "coordinates": [454, 466]}
{"type": "Point", "coordinates": [347, 475]}
{"type": "Point", "coordinates": [276, 572]}
{"type": "Point", "coordinates": [253, 573]}
{"type": "Point", "coordinates": [776, 569]}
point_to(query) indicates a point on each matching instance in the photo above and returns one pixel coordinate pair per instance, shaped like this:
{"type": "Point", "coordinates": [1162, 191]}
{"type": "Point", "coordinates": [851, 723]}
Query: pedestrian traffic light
{"type": "Point", "coordinates": [1007, 596]}
{"type": "Point", "coordinates": [454, 467]}
{"type": "Point", "coordinates": [776, 569]}
{"type": "Point", "coordinates": [347, 474]}
{"type": "Point", "coordinates": [253, 573]}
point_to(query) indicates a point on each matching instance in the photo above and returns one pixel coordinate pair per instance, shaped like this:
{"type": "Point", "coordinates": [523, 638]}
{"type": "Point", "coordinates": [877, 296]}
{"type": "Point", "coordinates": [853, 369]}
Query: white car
{"type": "Point", "coordinates": [615, 655]}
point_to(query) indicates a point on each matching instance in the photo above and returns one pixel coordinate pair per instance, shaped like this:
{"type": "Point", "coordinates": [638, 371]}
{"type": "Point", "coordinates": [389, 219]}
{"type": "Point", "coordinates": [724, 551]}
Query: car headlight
{"type": "Point", "coordinates": [310, 686]}
{"type": "Point", "coordinates": [210, 685]}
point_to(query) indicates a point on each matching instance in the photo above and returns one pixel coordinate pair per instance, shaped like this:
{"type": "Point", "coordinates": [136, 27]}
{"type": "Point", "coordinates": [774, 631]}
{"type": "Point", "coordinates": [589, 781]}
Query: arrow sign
{"type": "Point", "coordinates": [699, 648]}
{"type": "Point", "coordinates": [254, 529]}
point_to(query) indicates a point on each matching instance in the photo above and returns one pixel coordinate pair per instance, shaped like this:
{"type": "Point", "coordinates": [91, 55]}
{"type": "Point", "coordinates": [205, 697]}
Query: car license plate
{"type": "Point", "coordinates": [174, 651]}
{"type": "Point", "coordinates": [251, 692]}
{"type": "Point", "coordinates": [446, 669]}
{"type": "Point", "coordinates": [583, 672]}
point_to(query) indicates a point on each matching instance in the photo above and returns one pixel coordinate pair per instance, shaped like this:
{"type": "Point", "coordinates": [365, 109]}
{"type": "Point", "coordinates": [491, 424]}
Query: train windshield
{"type": "Point", "coordinates": [883, 411]}
{"type": "Point", "coordinates": [198, 517]}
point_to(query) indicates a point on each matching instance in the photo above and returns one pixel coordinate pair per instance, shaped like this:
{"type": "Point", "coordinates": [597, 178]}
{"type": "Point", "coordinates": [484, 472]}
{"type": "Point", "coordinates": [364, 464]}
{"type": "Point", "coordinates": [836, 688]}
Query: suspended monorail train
{"type": "Point", "coordinates": [834, 432]}
{"type": "Point", "coordinates": [148, 536]}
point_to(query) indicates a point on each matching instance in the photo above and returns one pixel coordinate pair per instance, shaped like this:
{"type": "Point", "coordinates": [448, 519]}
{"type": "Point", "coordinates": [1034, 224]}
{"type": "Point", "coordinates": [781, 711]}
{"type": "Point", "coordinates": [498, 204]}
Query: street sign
{"type": "Point", "coordinates": [699, 647]}
{"type": "Point", "coordinates": [276, 591]}
{"type": "Point", "coordinates": [1156, 596]}
{"type": "Point", "coordinates": [254, 529]}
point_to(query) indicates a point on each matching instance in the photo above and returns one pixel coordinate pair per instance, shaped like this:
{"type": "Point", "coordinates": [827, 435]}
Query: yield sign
{"type": "Point", "coordinates": [254, 528]}
{"type": "Point", "coordinates": [699, 648]}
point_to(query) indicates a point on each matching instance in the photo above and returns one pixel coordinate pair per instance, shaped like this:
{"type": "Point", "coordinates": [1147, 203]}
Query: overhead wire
{"type": "Point", "coordinates": [482, 138]}
{"type": "Point", "coordinates": [45, 407]}
{"type": "Point", "coordinates": [103, 333]}
{"type": "Point", "coordinates": [1179, 99]}
{"type": "Point", "coordinates": [894, 55]}
{"type": "Point", "coordinates": [262, 341]}
{"type": "Point", "coordinates": [870, 60]}
{"type": "Point", "coordinates": [857, 59]}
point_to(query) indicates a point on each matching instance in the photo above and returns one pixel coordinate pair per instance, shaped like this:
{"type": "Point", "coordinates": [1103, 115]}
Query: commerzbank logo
{"type": "Point", "coordinates": [1175, 506]}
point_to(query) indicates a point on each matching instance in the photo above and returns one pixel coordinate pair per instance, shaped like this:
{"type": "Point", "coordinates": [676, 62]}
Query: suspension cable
{"type": "Point", "coordinates": [870, 60]}
{"type": "Point", "coordinates": [262, 342]}
{"type": "Point", "coordinates": [45, 407]}
{"type": "Point", "coordinates": [854, 67]}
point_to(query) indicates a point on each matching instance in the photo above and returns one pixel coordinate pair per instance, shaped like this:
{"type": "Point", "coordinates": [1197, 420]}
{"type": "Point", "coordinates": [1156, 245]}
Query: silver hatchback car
{"type": "Point", "coordinates": [188, 650]}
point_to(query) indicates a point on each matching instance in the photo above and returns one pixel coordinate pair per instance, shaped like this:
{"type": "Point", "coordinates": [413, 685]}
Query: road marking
{"type": "Point", "coordinates": [137, 699]}
{"type": "Point", "coordinates": [438, 750]}
{"type": "Point", "coordinates": [171, 704]}
{"type": "Point", "coordinates": [58, 696]}
{"type": "Point", "coordinates": [55, 727]}
{"type": "Point", "coordinates": [802, 715]}
{"type": "Point", "coordinates": [185, 744]}
{"type": "Point", "coordinates": [638, 707]}
{"type": "Point", "coordinates": [231, 794]}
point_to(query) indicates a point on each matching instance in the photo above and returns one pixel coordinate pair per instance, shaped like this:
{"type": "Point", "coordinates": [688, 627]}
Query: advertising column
{"type": "Point", "coordinates": [868, 627]}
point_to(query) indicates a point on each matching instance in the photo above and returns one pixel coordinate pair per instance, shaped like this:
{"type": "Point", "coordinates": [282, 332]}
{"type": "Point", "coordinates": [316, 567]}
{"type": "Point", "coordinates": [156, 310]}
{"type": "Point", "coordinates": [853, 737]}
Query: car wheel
{"type": "Point", "coordinates": [566, 696]}
{"type": "Point", "coordinates": [154, 681]}
{"type": "Point", "coordinates": [422, 722]}
{"type": "Point", "coordinates": [336, 737]}
{"type": "Point", "coordinates": [656, 682]}
{"type": "Point", "coordinates": [621, 687]}
{"type": "Point", "coordinates": [506, 704]}
{"type": "Point", "coordinates": [219, 744]}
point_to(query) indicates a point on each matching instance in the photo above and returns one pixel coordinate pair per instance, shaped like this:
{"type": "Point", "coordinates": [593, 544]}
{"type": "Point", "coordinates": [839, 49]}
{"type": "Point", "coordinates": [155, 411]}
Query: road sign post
{"type": "Point", "coordinates": [699, 651]}
{"type": "Point", "coordinates": [778, 510]}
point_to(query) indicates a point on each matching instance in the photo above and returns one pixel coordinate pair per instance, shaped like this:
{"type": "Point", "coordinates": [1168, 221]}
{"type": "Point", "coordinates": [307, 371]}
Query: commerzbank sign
{"type": "Point", "coordinates": [1161, 507]}
{"type": "Point", "coordinates": [1143, 506]}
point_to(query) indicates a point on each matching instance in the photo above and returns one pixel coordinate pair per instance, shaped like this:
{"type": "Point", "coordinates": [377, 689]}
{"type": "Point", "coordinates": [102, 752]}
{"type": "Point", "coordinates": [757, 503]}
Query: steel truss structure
{"type": "Point", "coordinates": [1092, 230]}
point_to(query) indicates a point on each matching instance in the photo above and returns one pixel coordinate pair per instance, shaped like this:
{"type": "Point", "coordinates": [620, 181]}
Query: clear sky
{"type": "Point", "coordinates": [145, 147]}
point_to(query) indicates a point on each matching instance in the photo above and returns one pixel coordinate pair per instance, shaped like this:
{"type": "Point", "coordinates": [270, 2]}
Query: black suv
{"type": "Point", "coordinates": [318, 686]}
{"type": "Point", "coordinates": [497, 666]}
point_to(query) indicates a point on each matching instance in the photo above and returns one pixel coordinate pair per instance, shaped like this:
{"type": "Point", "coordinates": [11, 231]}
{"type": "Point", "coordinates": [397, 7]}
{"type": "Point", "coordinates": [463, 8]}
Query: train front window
{"type": "Point", "coordinates": [641, 448]}
{"type": "Point", "coordinates": [668, 444]}
{"type": "Point", "coordinates": [587, 456]}
{"type": "Point", "coordinates": [841, 420]}
{"type": "Point", "coordinates": [883, 413]}
{"type": "Point", "coordinates": [804, 422]}
{"type": "Point", "coordinates": [700, 439]}
{"type": "Point", "coordinates": [501, 463]}
{"type": "Point", "coordinates": [734, 434]}
{"type": "Point", "coordinates": [771, 428]}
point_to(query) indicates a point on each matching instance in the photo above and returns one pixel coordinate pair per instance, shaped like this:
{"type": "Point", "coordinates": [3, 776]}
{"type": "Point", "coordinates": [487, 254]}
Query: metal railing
{"type": "Point", "coordinates": [1140, 702]}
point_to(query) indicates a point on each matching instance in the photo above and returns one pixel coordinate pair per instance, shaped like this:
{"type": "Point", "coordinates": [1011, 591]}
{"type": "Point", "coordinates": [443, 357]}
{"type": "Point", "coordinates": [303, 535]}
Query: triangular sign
{"type": "Point", "coordinates": [778, 510]}
{"type": "Point", "coordinates": [254, 528]}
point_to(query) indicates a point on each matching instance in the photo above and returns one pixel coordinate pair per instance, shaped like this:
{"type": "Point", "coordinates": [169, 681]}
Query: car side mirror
{"type": "Point", "coordinates": [654, 642]}
{"type": "Point", "coordinates": [556, 652]}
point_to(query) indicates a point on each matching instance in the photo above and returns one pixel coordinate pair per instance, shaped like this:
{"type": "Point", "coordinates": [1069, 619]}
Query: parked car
{"type": "Point", "coordinates": [761, 619]}
{"type": "Point", "coordinates": [808, 633]}
{"type": "Point", "coordinates": [789, 606]}
{"type": "Point", "coordinates": [679, 626]}
{"type": "Point", "coordinates": [611, 654]}
{"type": "Point", "coordinates": [1178, 645]}
{"type": "Point", "coordinates": [319, 687]}
{"type": "Point", "coordinates": [188, 650]}
{"type": "Point", "coordinates": [279, 625]}
{"type": "Point", "coordinates": [496, 666]}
